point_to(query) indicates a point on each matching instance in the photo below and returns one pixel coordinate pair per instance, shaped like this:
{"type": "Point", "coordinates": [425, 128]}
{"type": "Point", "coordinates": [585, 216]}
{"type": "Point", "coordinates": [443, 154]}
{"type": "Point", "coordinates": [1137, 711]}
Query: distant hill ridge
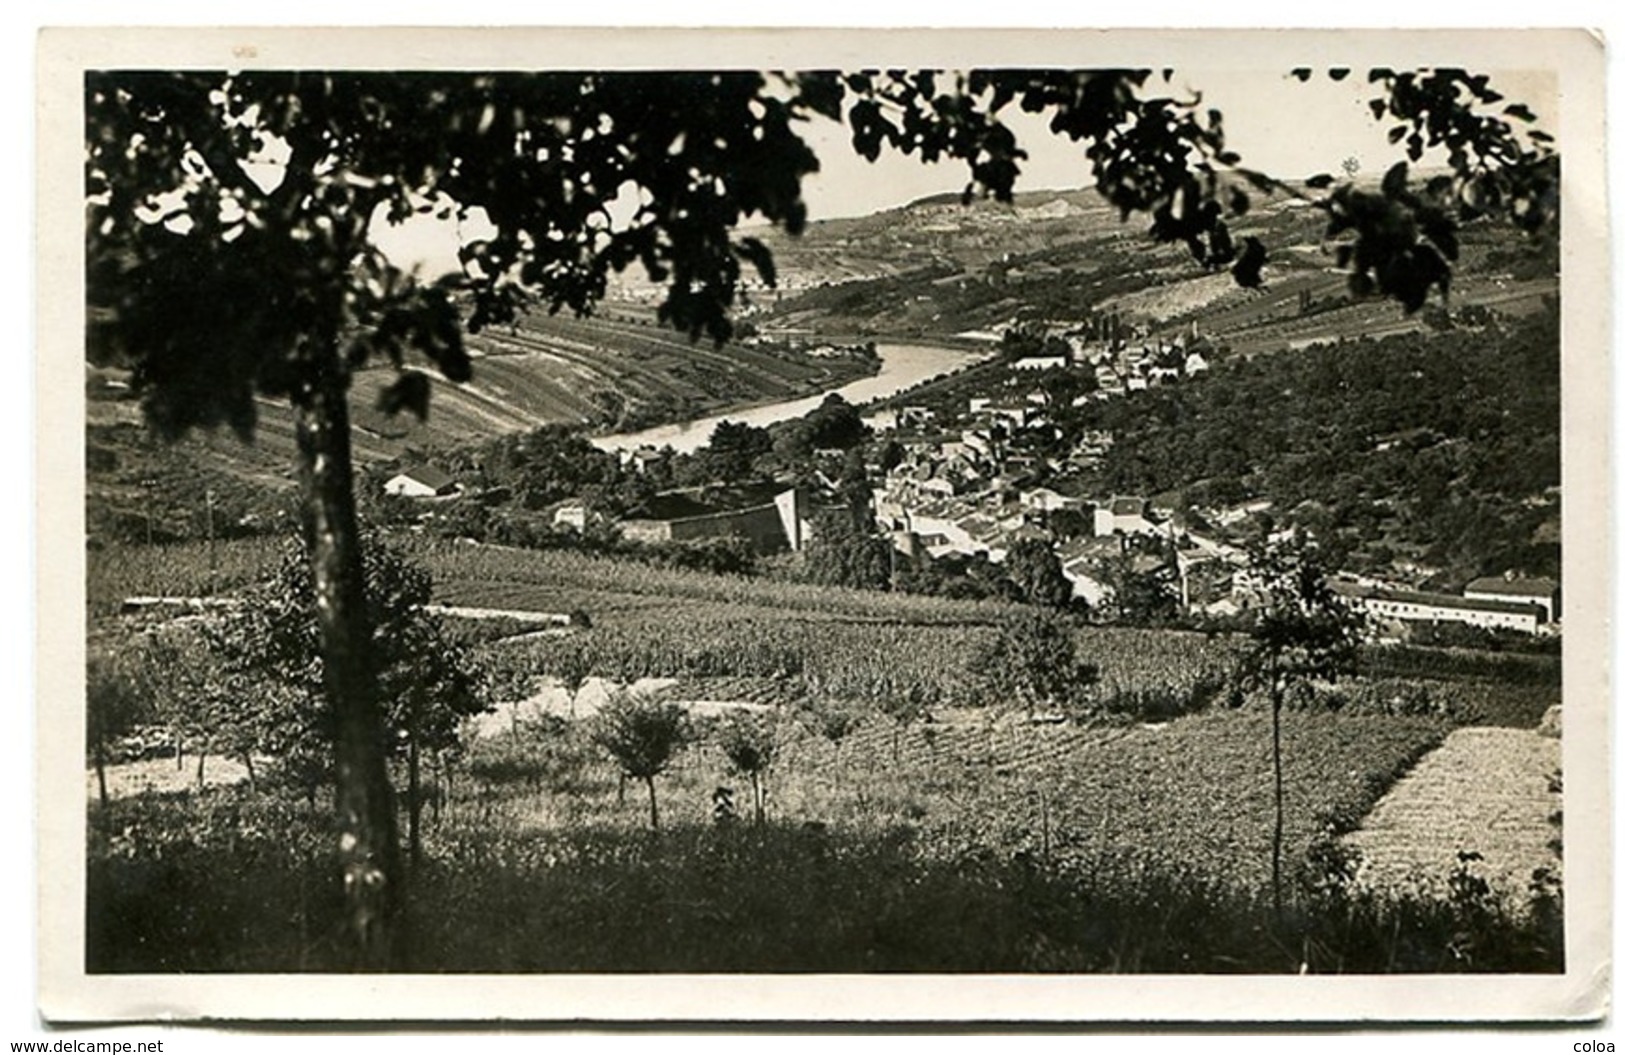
{"type": "Point", "coordinates": [1023, 199]}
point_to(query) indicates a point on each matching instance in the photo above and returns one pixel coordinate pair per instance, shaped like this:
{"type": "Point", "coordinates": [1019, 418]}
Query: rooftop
{"type": "Point", "coordinates": [1513, 587]}
{"type": "Point", "coordinates": [1436, 600]}
{"type": "Point", "coordinates": [429, 476]}
{"type": "Point", "coordinates": [670, 507]}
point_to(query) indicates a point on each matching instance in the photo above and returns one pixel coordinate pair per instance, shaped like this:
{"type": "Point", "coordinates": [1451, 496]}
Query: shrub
{"type": "Point", "coordinates": [750, 741]}
{"type": "Point", "coordinates": [1161, 703]}
{"type": "Point", "coordinates": [643, 736]}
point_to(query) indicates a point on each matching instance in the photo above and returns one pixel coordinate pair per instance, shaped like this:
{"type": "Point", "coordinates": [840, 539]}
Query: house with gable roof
{"type": "Point", "coordinates": [422, 481]}
{"type": "Point", "coordinates": [1123, 515]}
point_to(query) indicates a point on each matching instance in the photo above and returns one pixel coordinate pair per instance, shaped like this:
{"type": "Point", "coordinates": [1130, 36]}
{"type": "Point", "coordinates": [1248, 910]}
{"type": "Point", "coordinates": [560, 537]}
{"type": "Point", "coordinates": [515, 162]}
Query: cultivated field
{"type": "Point", "coordinates": [1192, 795]}
{"type": "Point", "coordinates": [963, 834]}
{"type": "Point", "coordinates": [1492, 792]}
{"type": "Point", "coordinates": [606, 373]}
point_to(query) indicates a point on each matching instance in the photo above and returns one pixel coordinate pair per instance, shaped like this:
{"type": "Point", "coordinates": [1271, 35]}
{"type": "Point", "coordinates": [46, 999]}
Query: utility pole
{"type": "Point", "coordinates": [148, 484]}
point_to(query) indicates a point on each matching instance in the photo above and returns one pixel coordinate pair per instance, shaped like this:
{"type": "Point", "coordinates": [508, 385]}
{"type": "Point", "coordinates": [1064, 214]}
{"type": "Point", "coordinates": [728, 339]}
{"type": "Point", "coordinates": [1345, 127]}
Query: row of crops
{"type": "Point", "coordinates": [503, 577]}
{"type": "Point", "coordinates": [651, 364]}
{"type": "Point", "coordinates": [671, 623]}
{"type": "Point", "coordinates": [856, 661]}
{"type": "Point", "coordinates": [893, 823]}
{"type": "Point", "coordinates": [117, 571]}
{"type": "Point", "coordinates": [1193, 796]}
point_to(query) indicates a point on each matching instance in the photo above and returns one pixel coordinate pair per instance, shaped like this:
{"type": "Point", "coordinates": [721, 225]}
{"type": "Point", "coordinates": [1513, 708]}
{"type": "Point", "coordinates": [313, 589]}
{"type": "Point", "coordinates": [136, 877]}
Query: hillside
{"type": "Point", "coordinates": [616, 372]}
{"type": "Point", "coordinates": [937, 267]}
{"type": "Point", "coordinates": [1434, 455]}
{"type": "Point", "coordinates": [931, 268]}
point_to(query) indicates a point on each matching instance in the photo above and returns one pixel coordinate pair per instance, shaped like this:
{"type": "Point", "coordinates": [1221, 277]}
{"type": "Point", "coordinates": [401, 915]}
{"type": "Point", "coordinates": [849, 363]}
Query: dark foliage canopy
{"type": "Point", "coordinates": [232, 215]}
{"type": "Point", "coordinates": [1444, 447]}
{"type": "Point", "coordinates": [1301, 631]}
{"type": "Point", "coordinates": [428, 682]}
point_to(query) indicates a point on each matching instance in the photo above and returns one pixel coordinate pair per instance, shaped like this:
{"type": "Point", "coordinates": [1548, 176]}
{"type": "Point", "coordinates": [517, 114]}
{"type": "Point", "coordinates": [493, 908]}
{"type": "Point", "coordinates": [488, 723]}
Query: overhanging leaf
{"type": "Point", "coordinates": [410, 391]}
{"type": "Point", "coordinates": [1249, 266]}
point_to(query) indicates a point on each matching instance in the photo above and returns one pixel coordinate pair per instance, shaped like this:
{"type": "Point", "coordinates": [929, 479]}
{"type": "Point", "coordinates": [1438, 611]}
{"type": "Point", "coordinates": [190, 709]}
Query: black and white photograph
{"type": "Point", "coordinates": [1112, 527]}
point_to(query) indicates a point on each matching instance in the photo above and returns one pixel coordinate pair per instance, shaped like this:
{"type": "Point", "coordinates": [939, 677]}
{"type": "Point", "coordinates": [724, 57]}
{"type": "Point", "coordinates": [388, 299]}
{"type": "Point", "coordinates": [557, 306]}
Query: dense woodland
{"type": "Point", "coordinates": [1442, 449]}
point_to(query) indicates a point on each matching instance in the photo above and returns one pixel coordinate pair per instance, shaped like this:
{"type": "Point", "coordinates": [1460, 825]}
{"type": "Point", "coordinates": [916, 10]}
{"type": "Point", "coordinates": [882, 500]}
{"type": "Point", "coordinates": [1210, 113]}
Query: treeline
{"type": "Point", "coordinates": [141, 490]}
{"type": "Point", "coordinates": [512, 486]}
{"type": "Point", "coordinates": [1441, 449]}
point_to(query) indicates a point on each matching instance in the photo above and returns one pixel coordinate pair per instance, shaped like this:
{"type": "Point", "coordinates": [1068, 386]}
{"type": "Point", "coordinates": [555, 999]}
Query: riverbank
{"type": "Point", "coordinates": [904, 364]}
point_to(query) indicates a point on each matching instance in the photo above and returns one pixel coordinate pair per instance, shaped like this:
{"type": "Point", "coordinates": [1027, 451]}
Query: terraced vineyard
{"type": "Point", "coordinates": [1107, 843]}
{"type": "Point", "coordinates": [509, 577]}
{"type": "Point", "coordinates": [544, 370]}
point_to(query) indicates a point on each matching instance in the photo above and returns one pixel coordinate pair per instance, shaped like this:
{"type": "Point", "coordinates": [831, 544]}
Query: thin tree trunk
{"type": "Point", "coordinates": [202, 756]}
{"type": "Point", "coordinates": [654, 810]}
{"type": "Point", "coordinates": [101, 771]}
{"type": "Point", "coordinates": [304, 910]}
{"type": "Point", "coordinates": [1043, 822]}
{"type": "Point", "coordinates": [369, 850]}
{"type": "Point", "coordinates": [437, 766]}
{"type": "Point", "coordinates": [450, 788]}
{"type": "Point", "coordinates": [248, 764]}
{"type": "Point", "coordinates": [414, 800]}
{"type": "Point", "coordinates": [756, 795]}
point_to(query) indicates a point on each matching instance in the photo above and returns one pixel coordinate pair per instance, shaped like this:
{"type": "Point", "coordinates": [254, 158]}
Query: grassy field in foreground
{"type": "Point", "coordinates": [1120, 849]}
{"type": "Point", "coordinates": [951, 844]}
{"type": "Point", "coordinates": [1191, 795]}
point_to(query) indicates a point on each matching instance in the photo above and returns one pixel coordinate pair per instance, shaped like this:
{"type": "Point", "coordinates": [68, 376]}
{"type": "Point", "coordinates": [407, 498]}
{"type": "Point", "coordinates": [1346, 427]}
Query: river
{"type": "Point", "coordinates": [901, 366]}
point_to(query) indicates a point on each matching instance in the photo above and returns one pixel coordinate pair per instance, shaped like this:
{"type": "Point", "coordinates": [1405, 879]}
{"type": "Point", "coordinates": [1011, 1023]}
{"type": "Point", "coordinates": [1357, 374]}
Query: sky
{"type": "Point", "coordinates": [1287, 128]}
{"type": "Point", "coordinates": [1268, 118]}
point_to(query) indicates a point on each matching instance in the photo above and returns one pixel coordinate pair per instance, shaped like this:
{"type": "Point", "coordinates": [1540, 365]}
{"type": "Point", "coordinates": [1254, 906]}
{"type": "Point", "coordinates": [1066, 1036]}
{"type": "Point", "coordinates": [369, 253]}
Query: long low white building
{"type": "Point", "coordinates": [1542, 592]}
{"type": "Point", "coordinates": [1417, 607]}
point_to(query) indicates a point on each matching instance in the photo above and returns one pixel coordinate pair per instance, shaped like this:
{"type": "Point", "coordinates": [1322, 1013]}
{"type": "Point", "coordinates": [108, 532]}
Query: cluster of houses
{"type": "Point", "coordinates": [973, 493]}
{"type": "Point", "coordinates": [1095, 539]}
{"type": "Point", "coordinates": [772, 518]}
{"type": "Point", "coordinates": [1121, 367]}
{"type": "Point", "coordinates": [973, 487]}
{"type": "Point", "coordinates": [972, 484]}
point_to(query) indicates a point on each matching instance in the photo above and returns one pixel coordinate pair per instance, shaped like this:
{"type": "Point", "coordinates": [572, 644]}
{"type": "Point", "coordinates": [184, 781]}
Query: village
{"type": "Point", "coordinates": [968, 486]}
{"type": "Point", "coordinates": [960, 484]}
{"type": "Point", "coordinates": [890, 577]}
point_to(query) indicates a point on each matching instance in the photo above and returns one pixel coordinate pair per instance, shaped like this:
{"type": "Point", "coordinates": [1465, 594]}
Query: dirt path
{"type": "Point", "coordinates": [1487, 791]}
{"type": "Point", "coordinates": [160, 774]}
{"type": "Point", "coordinates": [524, 615]}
